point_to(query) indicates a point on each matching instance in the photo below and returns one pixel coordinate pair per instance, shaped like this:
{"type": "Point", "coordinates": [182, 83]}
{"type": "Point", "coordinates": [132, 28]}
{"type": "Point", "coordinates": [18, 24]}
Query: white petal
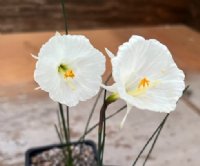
{"type": "Point", "coordinates": [87, 88]}
{"type": "Point", "coordinates": [110, 54]}
{"type": "Point", "coordinates": [135, 38]}
{"type": "Point", "coordinates": [89, 63]}
{"type": "Point", "coordinates": [64, 94]}
{"type": "Point", "coordinates": [161, 98]}
{"type": "Point", "coordinates": [127, 112]}
{"type": "Point", "coordinates": [112, 88]}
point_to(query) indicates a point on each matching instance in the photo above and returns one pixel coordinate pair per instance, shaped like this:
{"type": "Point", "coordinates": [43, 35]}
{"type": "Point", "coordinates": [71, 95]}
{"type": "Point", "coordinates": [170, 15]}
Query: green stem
{"type": "Point", "coordinates": [68, 125]}
{"type": "Point", "coordinates": [157, 135]}
{"type": "Point", "coordinates": [64, 15]}
{"type": "Point", "coordinates": [58, 134]}
{"type": "Point", "coordinates": [94, 126]}
{"type": "Point", "coordinates": [100, 130]}
{"type": "Point", "coordinates": [69, 158]}
{"type": "Point", "coordinates": [60, 127]}
{"type": "Point", "coordinates": [63, 122]}
{"type": "Point", "coordinates": [93, 108]}
{"type": "Point", "coordinates": [101, 123]}
{"type": "Point", "coordinates": [148, 141]}
{"type": "Point", "coordinates": [152, 146]}
{"type": "Point", "coordinates": [104, 130]}
{"type": "Point", "coordinates": [60, 138]}
{"type": "Point", "coordinates": [91, 113]}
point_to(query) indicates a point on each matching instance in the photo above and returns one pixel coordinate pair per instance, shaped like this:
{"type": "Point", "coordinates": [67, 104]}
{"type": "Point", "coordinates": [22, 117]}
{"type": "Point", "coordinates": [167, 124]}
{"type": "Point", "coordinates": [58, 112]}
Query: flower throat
{"type": "Point", "coordinates": [65, 71]}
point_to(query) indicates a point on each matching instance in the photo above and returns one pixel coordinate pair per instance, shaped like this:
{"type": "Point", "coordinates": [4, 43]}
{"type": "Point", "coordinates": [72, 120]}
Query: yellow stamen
{"type": "Point", "coordinates": [69, 73]}
{"type": "Point", "coordinates": [142, 87]}
{"type": "Point", "coordinates": [143, 83]}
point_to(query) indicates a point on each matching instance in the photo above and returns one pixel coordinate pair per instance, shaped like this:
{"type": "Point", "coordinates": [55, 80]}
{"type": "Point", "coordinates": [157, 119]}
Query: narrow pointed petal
{"type": "Point", "coordinates": [110, 54]}
{"type": "Point", "coordinates": [34, 56]}
{"type": "Point", "coordinates": [127, 112]}
{"type": "Point", "coordinates": [57, 33]}
{"type": "Point", "coordinates": [37, 88]}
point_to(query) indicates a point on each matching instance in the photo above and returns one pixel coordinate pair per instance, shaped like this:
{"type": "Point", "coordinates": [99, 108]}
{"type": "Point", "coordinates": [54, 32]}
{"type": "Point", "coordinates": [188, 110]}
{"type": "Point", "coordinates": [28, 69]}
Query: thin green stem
{"type": "Point", "coordinates": [186, 88]}
{"type": "Point", "coordinates": [58, 133]}
{"type": "Point", "coordinates": [63, 122]}
{"type": "Point", "coordinates": [69, 137]}
{"type": "Point", "coordinates": [69, 158]}
{"type": "Point", "coordinates": [157, 135]}
{"type": "Point", "coordinates": [153, 144]}
{"type": "Point", "coordinates": [101, 123]}
{"type": "Point", "coordinates": [68, 124]}
{"type": "Point", "coordinates": [60, 138]}
{"type": "Point", "coordinates": [60, 126]}
{"type": "Point", "coordinates": [148, 141]}
{"type": "Point", "coordinates": [91, 113]}
{"type": "Point", "coordinates": [99, 147]}
{"type": "Point", "coordinates": [94, 126]}
{"type": "Point", "coordinates": [64, 15]}
{"type": "Point", "coordinates": [94, 107]}
{"type": "Point", "coordinates": [104, 130]}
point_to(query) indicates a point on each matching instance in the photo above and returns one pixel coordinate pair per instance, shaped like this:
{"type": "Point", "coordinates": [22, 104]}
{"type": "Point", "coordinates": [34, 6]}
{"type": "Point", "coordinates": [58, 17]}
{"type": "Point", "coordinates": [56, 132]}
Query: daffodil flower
{"type": "Point", "coordinates": [145, 76]}
{"type": "Point", "coordinates": [69, 68]}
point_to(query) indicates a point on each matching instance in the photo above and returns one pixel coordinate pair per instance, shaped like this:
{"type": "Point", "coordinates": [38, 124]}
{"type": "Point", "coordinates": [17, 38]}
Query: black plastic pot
{"type": "Point", "coordinates": [34, 151]}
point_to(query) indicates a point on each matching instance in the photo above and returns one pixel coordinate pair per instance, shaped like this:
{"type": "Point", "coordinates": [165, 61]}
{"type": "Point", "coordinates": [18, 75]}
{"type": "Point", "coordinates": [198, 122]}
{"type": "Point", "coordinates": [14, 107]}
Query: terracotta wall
{"type": "Point", "coordinates": [39, 15]}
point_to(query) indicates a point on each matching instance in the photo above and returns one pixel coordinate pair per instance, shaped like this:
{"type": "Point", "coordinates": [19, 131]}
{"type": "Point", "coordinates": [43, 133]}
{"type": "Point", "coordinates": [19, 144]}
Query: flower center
{"type": "Point", "coordinates": [143, 83]}
{"type": "Point", "coordinates": [66, 71]}
{"type": "Point", "coordinates": [68, 74]}
{"type": "Point", "coordinates": [142, 87]}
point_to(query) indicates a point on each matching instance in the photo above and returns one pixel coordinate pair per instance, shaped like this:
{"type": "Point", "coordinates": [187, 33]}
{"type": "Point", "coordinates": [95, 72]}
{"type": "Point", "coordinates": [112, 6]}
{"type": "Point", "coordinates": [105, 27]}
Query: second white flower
{"type": "Point", "coordinates": [146, 76]}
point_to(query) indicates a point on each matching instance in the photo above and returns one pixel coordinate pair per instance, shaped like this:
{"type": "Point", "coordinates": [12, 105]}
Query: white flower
{"type": "Point", "coordinates": [146, 76]}
{"type": "Point", "coordinates": [69, 68]}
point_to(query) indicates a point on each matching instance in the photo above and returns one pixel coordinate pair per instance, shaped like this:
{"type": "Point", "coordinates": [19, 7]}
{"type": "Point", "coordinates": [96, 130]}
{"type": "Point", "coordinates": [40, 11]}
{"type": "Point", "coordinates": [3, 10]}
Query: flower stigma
{"type": "Point", "coordinates": [66, 71]}
{"type": "Point", "coordinates": [67, 74]}
{"type": "Point", "coordinates": [142, 87]}
{"type": "Point", "coordinates": [143, 83]}
{"type": "Point", "coordinates": [62, 68]}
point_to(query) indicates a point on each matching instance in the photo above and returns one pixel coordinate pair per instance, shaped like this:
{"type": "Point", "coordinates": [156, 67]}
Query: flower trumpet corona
{"type": "Point", "coordinates": [69, 68]}
{"type": "Point", "coordinates": [146, 76]}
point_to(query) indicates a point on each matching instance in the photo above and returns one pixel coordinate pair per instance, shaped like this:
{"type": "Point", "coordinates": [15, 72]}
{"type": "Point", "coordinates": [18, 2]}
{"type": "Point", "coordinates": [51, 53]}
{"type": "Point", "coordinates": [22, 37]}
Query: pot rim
{"type": "Point", "coordinates": [33, 151]}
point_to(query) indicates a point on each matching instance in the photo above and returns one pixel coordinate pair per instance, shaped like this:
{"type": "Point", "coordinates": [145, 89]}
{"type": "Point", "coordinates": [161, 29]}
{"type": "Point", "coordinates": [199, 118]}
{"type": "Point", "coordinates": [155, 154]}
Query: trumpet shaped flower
{"type": "Point", "coordinates": [146, 76]}
{"type": "Point", "coordinates": [69, 68]}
